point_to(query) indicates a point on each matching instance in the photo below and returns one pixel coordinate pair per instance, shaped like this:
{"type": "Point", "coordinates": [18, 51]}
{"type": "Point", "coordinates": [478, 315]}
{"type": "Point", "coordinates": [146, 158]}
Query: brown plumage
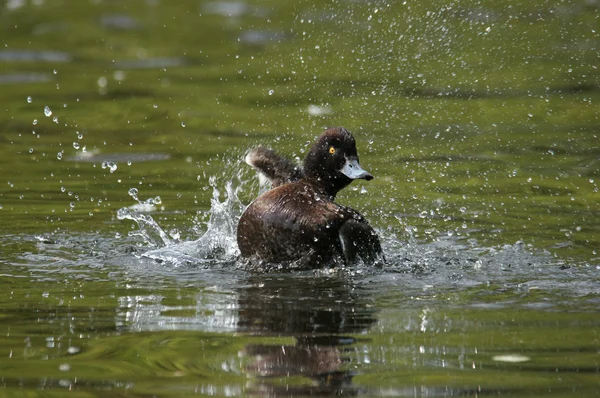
{"type": "Point", "coordinates": [297, 222]}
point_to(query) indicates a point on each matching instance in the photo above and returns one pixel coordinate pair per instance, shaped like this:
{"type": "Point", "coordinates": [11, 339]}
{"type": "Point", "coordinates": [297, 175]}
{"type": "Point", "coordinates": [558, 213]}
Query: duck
{"type": "Point", "coordinates": [297, 223]}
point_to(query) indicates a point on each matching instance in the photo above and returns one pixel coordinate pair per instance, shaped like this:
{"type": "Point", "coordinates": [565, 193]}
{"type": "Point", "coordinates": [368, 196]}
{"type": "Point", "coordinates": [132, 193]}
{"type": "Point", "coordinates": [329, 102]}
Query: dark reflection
{"type": "Point", "coordinates": [321, 314]}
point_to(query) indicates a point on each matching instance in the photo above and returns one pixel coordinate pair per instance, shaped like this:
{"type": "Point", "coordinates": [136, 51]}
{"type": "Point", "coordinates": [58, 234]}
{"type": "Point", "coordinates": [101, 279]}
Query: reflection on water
{"type": "Point", "coordinates": [321, 315]}
{"type": "Point", "coordinates": [297, 306]}
{"type": "Point", "coordinates": [215, 311]}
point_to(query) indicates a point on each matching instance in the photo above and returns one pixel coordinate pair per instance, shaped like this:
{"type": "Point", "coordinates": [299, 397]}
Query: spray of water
{"type": "Point", "coordinates": [149, 230]}
{"type": "Point", "coordinates": [217, 243]}
{"type": "Point", "coordinates": [216, 246]}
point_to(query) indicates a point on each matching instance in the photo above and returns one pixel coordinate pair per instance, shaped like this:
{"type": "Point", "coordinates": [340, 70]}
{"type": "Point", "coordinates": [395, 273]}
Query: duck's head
{"type": "Point", "coordinates": [332, 162]}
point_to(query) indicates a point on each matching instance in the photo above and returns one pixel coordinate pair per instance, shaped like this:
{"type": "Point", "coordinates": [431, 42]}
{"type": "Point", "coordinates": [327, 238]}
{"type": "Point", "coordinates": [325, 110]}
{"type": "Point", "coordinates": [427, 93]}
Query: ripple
{"type": "Point", "coordinates": [119, 22]}
{"type": "Point", "coordinates": [260, 37]}
{"type": "Point", "coordinates": [34, 56]}
{"type": "Point", "coordinates": [32, 77]}
{"type": "Point", "coordinates": [91, 156]}
{"type": "Point", "coordinates": [232, 9]}
{"type": "Point", "coordinates": [149, 63]}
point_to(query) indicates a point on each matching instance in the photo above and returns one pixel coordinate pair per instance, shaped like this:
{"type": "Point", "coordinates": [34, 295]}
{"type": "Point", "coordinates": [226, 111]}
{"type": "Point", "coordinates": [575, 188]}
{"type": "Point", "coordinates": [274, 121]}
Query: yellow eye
{"type": "Point", "coordinates": [331, 150]}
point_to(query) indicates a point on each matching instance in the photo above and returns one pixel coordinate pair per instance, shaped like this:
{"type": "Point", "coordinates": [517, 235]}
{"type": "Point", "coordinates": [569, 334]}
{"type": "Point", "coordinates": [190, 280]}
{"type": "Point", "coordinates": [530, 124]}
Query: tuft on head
{"type": "Point", "coordinates": [339, 136]}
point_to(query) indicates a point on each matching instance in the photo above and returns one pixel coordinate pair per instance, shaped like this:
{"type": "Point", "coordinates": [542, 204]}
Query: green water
{"type": "Point", "coordinates": [479, 120]}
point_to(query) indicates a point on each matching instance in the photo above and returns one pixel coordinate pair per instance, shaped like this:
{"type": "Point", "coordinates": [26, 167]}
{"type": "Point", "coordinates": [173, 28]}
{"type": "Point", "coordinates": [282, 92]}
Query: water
{"type": "Point", "coordinates": [122, 134]}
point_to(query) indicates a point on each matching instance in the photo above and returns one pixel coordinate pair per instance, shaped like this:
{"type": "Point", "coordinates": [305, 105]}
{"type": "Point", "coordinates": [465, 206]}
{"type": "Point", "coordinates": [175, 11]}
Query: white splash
{"type": "Point", "coordinates": [218, 242]}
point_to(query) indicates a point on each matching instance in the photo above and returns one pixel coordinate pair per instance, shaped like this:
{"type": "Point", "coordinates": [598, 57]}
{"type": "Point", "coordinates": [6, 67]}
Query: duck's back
{"type": "Point", "coordinates": [288, 223]}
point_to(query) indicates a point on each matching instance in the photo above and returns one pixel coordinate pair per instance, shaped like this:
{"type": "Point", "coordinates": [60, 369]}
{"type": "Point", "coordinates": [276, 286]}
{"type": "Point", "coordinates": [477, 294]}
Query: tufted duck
{"type": "Point", "coordinates": [297, 222]}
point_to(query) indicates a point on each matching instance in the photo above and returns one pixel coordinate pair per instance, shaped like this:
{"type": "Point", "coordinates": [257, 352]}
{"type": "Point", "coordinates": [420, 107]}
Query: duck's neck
{"type": "Point", "coordinates": [321, 189]}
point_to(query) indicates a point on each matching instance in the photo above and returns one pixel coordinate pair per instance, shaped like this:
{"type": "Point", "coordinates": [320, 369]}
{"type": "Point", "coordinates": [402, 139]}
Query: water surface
{"type": "Point", "coordinates": [122, 131]}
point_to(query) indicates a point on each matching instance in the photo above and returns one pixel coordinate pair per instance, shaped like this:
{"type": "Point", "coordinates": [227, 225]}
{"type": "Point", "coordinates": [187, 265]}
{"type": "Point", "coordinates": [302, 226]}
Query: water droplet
{"type": "Point", "coordinates": [47, 111]}
{"type": "Point", "coordinates": [76, 145]}
{"type": "Point", "coordinates": [182, 124]}
{"type": "Point", "coordinates": [102, 82]}
{"type": "Point", "coordinates": [119, 75]}
{"type": "Point", "coordinates": [35, 122]}
{"type": "Point", "coordinates": [30, 150]}
{"type": "Point", "coordinates": [111, 166]}
{"type": "Point", "coordinates": [271, 92]}
{"type": "Point", "coordinates": [59, 155]}
{"type": "Point", "coordinates": [316, 110]}
{"type": "Point", "coordinates": [463, 209]}
{"type": "Point", "coordinates": [133, 192]}
{"type": "Point", "coordinates": [29, 99]}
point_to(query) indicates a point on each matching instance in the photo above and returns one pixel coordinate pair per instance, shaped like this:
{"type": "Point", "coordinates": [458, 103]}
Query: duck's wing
{"type": "Point", "coordinates": [359, 241]}
{"type": "Point", "coordinates": [356, 241]}
{"type": "Point", "coordinates": [274, 167]}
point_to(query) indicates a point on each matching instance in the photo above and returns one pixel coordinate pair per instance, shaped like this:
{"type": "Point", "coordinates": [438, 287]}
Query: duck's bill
{"type": "Point", "coordinates": [354, 171]}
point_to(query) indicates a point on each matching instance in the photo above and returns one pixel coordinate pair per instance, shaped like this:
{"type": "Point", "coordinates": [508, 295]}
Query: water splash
{"type": "Point", "coordinates": [151, 233]}
{"type": "Point", "coordinates": [219, 240]}
{"type": "Point", "coordinates": [445, 260]}
{"type": "Point", "coordinates": [149, 230]}
{"type": "Point", "coordinates": [217, 244]}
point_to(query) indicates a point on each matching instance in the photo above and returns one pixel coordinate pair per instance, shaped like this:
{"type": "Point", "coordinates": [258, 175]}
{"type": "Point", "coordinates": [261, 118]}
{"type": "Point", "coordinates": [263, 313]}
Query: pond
{"type": "Point", "coordinates": [123, 129]}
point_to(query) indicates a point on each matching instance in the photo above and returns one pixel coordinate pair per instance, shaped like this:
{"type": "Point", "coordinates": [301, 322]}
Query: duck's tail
{"type": "Point", "coordinates": [275, 168]}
